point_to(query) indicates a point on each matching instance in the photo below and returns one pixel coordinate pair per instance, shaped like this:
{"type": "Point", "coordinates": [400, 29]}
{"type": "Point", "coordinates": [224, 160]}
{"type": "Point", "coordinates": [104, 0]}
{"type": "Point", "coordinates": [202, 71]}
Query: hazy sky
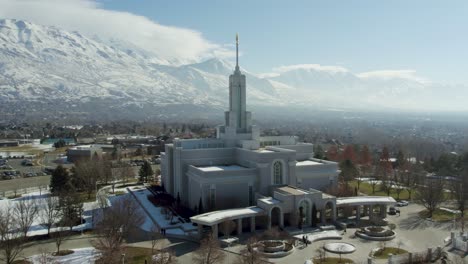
{"type": "Point", "coordinates": [428, 37]}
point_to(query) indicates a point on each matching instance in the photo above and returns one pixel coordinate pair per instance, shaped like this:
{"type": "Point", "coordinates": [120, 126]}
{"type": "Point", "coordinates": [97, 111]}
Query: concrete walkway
{"type": "Point", "coordinates": [413, 233]}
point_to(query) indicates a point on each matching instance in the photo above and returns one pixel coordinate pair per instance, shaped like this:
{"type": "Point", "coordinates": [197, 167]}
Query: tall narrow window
{"type": "Point", "coordinates": [277, 173]}
{"type": "Point", "coordinates": [212, 198]}
{"type": "Point", "coordinates": [251, 196]}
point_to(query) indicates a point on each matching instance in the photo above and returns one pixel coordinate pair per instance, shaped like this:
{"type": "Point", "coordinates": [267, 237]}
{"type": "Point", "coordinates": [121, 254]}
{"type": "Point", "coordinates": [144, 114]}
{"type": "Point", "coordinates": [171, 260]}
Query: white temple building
{"type": "Point", "coordinates": [240, 175]}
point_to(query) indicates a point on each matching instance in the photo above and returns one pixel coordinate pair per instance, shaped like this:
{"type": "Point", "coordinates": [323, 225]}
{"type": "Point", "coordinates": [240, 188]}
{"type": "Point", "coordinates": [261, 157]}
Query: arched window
{"type": "Point", "coordinates": [277, 172]}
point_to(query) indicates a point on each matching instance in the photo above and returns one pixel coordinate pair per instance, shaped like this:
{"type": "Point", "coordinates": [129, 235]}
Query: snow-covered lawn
{"type": "Point", "coordinates": [79, 256]}
{"type": "Point", "coordinates": [40, 199]}
{"type": "Point", "coordinates": [157, 214]}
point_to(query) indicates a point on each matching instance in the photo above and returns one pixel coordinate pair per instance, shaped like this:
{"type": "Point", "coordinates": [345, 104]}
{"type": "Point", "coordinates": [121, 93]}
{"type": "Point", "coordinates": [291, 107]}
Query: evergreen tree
{"type": "Point", "coordinates": [318, 152]}
{"type": "Point", "coordinates": [145, 171]}
{"type": "Point", "coordinates": [400, 159]}
{"type": "Point", "coordinates": [349, 171]}
{"type": "Point", "coordinates": [60, 180]}
{"type": "Point", "coordinates": [59, 144]}
{"type": "Point", "coordinates": [71, 206]}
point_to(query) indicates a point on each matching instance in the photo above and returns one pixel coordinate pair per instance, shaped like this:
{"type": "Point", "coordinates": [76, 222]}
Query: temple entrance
{"type": "Point", "coordinates": [275, 216]}
{"type": "Point", "coordinates": [304, 212]}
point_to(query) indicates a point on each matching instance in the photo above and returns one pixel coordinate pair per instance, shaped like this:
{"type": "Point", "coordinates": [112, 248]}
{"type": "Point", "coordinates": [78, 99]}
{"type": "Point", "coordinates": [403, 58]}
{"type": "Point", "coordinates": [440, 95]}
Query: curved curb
{"type": "Point", "coordinates": [366, 237]}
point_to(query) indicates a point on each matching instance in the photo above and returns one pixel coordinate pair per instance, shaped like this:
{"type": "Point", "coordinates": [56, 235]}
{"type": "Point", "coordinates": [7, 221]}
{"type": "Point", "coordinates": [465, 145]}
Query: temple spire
{"type": "Point", "coordinates": [237, 52]}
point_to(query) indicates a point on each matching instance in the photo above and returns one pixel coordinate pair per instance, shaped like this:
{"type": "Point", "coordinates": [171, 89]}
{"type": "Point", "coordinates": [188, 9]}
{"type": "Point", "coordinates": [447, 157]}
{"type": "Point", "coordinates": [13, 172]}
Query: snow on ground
{"type": "Point", "coordinates": [79, 256]}
{"type": "Point", "coordinates": [40, 199]}
{"type": "Point", "coordinates": [157, 215]}
{"type": "Point", "coordinates": [450, 210]}
{"type": "Point", "coordinates": [320, 235]}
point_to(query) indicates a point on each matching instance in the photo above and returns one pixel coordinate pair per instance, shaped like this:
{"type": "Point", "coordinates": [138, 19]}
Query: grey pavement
{"type": "Point", "coordinates": [413, 234]}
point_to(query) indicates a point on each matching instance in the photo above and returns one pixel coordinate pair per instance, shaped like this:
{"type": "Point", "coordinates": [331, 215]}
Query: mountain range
{"type": "Point", "coordinates": [47, 68]}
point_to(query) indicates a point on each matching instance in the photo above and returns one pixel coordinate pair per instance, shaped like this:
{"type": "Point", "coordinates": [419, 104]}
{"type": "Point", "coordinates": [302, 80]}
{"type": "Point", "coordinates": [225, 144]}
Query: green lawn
{"type": "Point", "coordinates": [383, 254]}
{"type": "Point", "coordinates": [84, 197]}
{"type": "Point", "coordinates": [136, 255]}
{"type": "Point", "coordinates": [332, 260]}
{"type": "Point", "coordinates": [440, 215]}
{"type": "Point", "coordinates": [367, 189]}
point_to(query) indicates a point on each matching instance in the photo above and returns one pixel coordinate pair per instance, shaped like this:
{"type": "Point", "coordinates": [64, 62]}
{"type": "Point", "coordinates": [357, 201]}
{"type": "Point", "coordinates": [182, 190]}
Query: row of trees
{"type": "Point", "coordinates": [87, 174]}
{"type": "Point", "coordinates": [404, 173]}
{"type": "Point", "coordinates": [61, 209]}
{"type": "Point", "coordinates": [398, 175]}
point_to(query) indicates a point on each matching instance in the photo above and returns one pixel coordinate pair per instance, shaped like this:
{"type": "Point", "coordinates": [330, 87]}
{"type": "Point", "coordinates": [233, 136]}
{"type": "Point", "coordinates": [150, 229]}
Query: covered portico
{"type": "Point", "coordinates": [213, 219]}
{"type": "Point", "coordinates": [365, 206]}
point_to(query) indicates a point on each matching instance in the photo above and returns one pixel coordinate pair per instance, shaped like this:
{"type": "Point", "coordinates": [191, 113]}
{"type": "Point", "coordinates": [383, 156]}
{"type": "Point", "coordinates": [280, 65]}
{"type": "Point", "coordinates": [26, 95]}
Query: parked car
{"type": "Point", "coordinates": [392, 211]}
{"type": "Point", "coordinates": [402, 203]}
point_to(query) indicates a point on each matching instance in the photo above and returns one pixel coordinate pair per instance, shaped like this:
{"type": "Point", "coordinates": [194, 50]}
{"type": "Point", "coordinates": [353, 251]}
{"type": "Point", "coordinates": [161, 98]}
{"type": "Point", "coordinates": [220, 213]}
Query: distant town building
{"type": "Point", "coordinates": [84, 152]}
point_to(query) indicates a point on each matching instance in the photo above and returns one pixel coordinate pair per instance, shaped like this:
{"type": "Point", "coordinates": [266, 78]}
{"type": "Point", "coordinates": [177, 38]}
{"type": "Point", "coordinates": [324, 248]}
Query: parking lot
{"type": "Point", "coordinates": [18, 168]}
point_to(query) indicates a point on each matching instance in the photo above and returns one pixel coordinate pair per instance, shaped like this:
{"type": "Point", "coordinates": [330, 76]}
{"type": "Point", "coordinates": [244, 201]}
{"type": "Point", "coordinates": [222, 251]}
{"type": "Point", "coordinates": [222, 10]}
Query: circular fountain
{"type": "Point", "coordinates": [377, 233]}
{"type": "Point", "coordinates": [340, 248]}
{"type": "Point", "coordinates": [273, 248]}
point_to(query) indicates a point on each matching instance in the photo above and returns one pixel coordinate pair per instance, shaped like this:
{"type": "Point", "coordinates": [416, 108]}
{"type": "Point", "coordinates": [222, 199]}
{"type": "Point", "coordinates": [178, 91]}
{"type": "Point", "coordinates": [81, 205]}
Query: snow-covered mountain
{"type": "Point", "coordinates": [47, 65]}
{"type": "Point", "coordinates": [38, 62]}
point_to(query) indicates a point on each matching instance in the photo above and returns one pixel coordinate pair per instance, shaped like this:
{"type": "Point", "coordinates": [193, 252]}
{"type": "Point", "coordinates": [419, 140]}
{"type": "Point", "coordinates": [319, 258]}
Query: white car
{"type": "Point", "coordinates": [402, 203]}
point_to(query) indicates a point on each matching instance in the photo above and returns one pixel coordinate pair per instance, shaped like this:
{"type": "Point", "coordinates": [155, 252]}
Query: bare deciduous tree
{"type": "Point", "coordinates": [250, 254]}
{"type": "Point", "coordinates": [59, 236]}
{"type": "Point", "coordinates": [25, 211]}
{"type": "Point", "coordinates": [50, 213]}
{"type": "Point", "coordinates": [11, 242]}
{"type": "Point", "coordinates": [116, 224]}
{"type": "Point", "coordinates": [86, 174]}
{"type": "Point", "coordinates": [127, 172]}
{"type": "Point", "coordinates": [164, 256]}
{"type": "Point", "coordinates": [209, 252]}
{"type": "Point", "coordinates": [431, 194]}
{"type": "Point", "coordinates": [321, 254]}
{"type": "Point", "coordinates": [45, 257]}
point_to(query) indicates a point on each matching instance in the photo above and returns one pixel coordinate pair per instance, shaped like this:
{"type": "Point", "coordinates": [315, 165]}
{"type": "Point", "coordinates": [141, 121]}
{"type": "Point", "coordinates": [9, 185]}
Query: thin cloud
{"type": "Point", "coordinates": [315, 67]}
{"type": "Point", "coordinates": [393, 74]}
{"type": "Point", "coordinates": [172, 44]}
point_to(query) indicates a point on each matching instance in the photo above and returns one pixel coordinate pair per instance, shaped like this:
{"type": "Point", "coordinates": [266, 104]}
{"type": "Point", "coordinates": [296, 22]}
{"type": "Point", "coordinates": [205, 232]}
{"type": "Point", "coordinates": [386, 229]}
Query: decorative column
{"type": "Point", "coordinates": [365, 210]}
{"type": "Point", "coordinates": [252, 224]}
{"type": "Point", "coordinates": [333, 213]}
{"type": "Point", "coordinates": [281, 223]}
{"type": "Point", "coordinates": [358, 214]}
{"type": "Point", "coordinates": [269, 222]}
{"type": "Point", "coordinates": [322, 216]}
{"type": "Point", "coordinates": [200, 231]}
{"type": "Point", "coordinates": [214, 230]}
{"type": "Point", "coordinates": [239, 226]}
{"type": "Point", "coordinates": [371, 212]}
{"type": "Point", "coordinates": [383, 211]}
